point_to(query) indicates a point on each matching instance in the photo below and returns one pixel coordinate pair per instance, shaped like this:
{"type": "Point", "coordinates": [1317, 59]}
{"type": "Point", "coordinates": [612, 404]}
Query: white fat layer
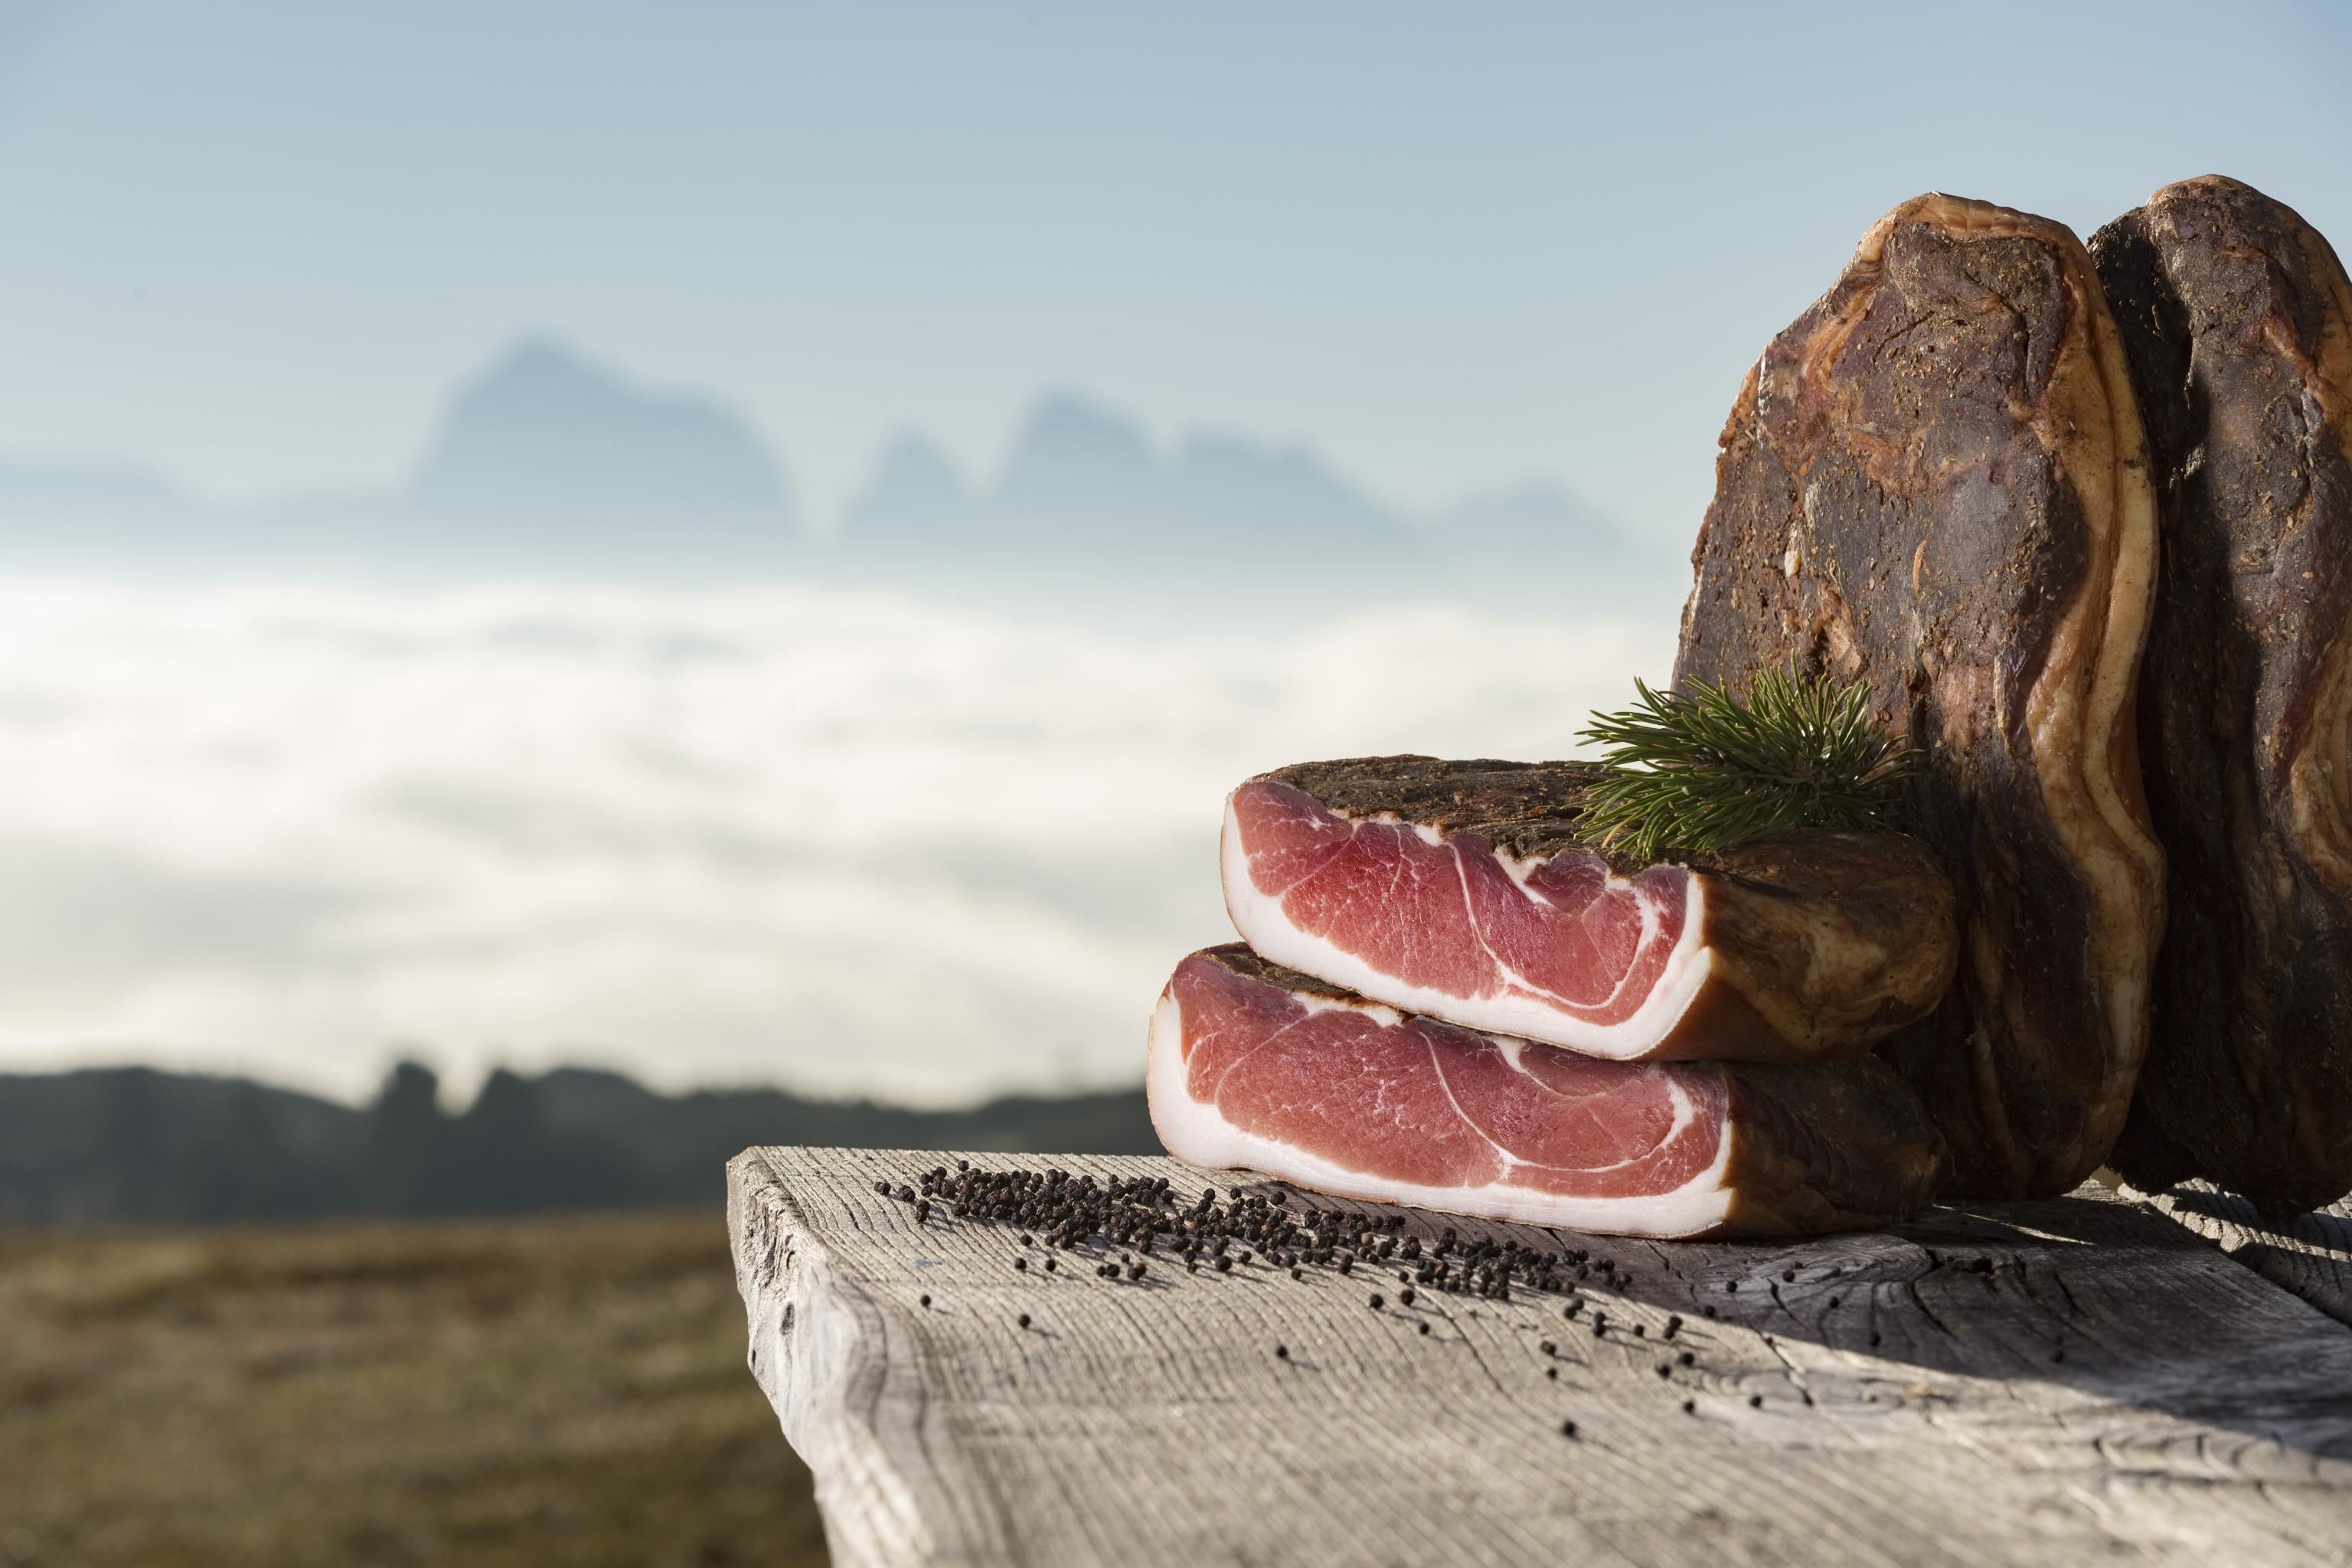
{"type": "Point", "coordinates": [1199, 1134]}
{"type": "Point", "coordinates": [1524, 1009]}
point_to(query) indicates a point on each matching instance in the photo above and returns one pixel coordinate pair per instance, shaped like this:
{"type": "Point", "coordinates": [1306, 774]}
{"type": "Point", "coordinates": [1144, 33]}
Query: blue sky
{"type": "Point", "coordinates": [1449, 246]}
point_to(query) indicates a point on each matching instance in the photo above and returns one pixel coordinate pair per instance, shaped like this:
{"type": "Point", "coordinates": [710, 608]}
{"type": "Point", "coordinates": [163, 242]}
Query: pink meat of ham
{"type": "Point", "coordinates": [1466, 890]}
{"type": "Point", "coordinates": [1252, 1065]}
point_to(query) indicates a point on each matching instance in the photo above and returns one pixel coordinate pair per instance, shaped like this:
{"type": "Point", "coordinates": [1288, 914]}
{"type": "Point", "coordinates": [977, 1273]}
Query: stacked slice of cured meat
{"type": "Point", "coordinates": [1983, 478]}
{"type": "Point", "coordinates": [1455, 1000]}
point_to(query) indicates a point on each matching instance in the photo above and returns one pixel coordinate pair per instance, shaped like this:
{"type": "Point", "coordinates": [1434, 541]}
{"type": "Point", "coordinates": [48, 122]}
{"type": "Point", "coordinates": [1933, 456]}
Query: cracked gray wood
{"type": "Point", "coordinates": [2310, 1254]}
{"type": "Point", "coordinates": [2047, 1382]}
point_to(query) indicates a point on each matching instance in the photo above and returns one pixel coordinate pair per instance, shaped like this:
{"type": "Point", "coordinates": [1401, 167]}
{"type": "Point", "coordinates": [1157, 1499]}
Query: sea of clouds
{"type": "Point", "coordinates": [837, 841]}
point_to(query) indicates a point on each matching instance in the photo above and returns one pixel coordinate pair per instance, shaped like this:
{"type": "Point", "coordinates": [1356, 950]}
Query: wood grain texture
{"type": "Point", "coordinates": [2310, 1254]}
{"type": "Point", "coordinates": [2049, 1381]}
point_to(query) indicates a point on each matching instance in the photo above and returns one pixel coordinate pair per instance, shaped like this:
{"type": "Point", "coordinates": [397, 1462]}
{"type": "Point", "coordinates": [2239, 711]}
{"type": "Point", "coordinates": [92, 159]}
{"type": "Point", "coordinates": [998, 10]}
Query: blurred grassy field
{"type": "Point", "coordinates": [550, 1391]}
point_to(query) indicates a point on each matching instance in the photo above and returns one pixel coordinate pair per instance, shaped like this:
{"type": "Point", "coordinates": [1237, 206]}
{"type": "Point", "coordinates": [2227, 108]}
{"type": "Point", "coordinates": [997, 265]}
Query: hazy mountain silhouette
{"type": "Point", "coordinates": [1084, 498]}
{"type": "Point", "coordinates": [548, 464]}
{"type": "Point", "coordinates": [916, 496]}
{"type": "Point", "coordinates": [545, 455]}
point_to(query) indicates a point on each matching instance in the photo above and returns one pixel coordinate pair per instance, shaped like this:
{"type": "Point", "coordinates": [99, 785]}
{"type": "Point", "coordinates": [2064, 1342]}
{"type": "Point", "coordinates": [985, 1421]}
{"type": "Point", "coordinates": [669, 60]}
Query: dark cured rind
{"type": "Point", "coordinates": [1528, 809]}
{"type": "Point", "coordinates": [2237, 319]}
{"type": "Point", "coordinates": [1933, 481]}
{"type": "Point", "coordinates": [1844, 1146]}
{"type": "Point", "coordinates": [1775, 907]}
{"type": "Point", "coordinates": [1834, 1147]}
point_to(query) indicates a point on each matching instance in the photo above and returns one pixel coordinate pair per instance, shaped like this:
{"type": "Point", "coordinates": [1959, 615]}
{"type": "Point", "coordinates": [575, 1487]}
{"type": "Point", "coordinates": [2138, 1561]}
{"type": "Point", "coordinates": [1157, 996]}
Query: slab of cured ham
{"type": "Point", "coordinates": [1935, 482]}
{"type": "Point", "coordinates": [1255, 1065]}
{"type": "Point", "coordinates": [1465, 892]}
{"type": "Point", "coordinates": [2237, 320]}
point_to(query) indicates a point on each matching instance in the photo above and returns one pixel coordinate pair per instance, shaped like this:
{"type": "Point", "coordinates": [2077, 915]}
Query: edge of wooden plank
{"type": "Point", "coordinates": [827, 1375]}
{"type": "Point", "coordinates": [829, 1283]}
{"type": "Point", "coordinates": [2309, 1254]}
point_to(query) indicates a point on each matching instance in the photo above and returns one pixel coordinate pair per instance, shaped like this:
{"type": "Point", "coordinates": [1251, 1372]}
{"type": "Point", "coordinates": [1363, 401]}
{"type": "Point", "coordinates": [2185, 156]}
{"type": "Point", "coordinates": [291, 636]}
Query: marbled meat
{"type": "Point", "coordinates": [1465, 891]}
{"type": "Point", "coordinates": [1253, 1065]}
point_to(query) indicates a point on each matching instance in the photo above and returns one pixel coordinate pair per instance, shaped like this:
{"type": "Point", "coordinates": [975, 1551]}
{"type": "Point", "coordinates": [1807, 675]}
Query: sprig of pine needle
{"type": "Point", "coordinates": [1704, 772]}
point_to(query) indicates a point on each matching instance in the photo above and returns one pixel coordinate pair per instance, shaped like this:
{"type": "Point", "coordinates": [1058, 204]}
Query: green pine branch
{"type": "Point", "coordinates": [1704, 772]}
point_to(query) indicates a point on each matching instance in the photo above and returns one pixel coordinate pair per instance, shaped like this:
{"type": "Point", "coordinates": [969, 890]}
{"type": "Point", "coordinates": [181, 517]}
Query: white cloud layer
{"type": "Point", "coordinates": [840, 842]}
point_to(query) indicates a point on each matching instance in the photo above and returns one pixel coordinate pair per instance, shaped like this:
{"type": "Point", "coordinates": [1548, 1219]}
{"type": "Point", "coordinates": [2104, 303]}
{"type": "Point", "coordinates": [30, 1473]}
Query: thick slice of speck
{"type": "Point", "coordinates": [1256, 1066]}
{"type": "Point", "coordinates": [1466, 890]}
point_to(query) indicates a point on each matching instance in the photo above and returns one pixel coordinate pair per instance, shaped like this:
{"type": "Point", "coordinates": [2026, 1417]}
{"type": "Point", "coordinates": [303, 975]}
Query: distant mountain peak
{"type": "Point", "coordinates": [916, 489]}
{"type": "Point", "coordinates": [1077, 461]}
{"type": "Point", "coordinates": [548, 440]}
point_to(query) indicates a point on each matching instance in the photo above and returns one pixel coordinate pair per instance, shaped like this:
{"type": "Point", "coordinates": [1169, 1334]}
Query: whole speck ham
{"type": "Point", "coordinates": [1934, 482]}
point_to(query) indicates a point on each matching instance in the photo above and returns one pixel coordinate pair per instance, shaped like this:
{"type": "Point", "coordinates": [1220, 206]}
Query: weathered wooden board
{"type": "Point", "coordinates": [2310, 1254]}
{"type": "Point", "coordinates": [2057, 1382]}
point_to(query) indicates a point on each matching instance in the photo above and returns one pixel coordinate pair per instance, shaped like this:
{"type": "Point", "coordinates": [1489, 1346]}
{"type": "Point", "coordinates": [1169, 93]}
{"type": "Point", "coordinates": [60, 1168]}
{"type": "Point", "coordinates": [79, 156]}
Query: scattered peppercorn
{"type": "Point", "coordinates": [1378, 1302]}
{"type": "Point", "coordinates": [1568, 1428]}
{"type": "Point", "coordinates": [926, 1302]}
{"type": "Point", "coordinates": [1690, 1406]}
{"type": "Point", "coordinates": [1023, 1320]}
{"type": "Point", "coordinates": [1754, 1401]}
{"type": "Point", "coordinates": [1282, 1352]}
